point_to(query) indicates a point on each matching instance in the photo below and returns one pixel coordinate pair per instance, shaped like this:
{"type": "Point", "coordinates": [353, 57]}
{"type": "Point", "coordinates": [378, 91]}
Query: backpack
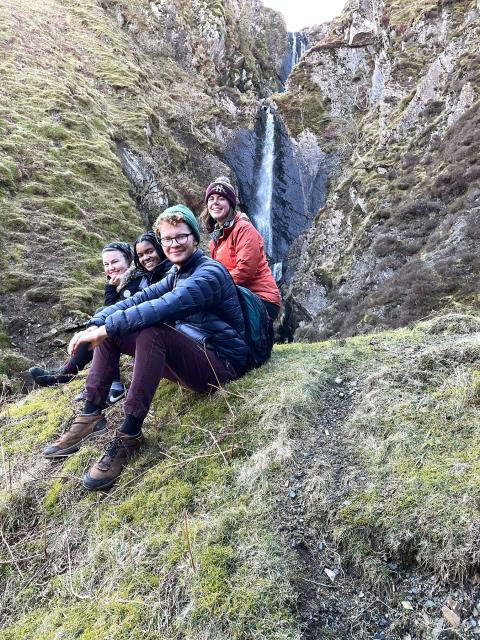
{"type": "Point", "coordinates": [258, 327]}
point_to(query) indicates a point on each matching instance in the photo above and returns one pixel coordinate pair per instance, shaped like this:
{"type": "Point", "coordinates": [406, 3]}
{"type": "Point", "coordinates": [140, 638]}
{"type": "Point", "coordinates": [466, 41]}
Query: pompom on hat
{"type": "Point", "coordinates": [222, 187]}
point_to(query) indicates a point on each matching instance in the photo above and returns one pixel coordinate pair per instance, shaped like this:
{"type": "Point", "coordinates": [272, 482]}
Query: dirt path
{"type": "Point", "coordinates": [333, 599]}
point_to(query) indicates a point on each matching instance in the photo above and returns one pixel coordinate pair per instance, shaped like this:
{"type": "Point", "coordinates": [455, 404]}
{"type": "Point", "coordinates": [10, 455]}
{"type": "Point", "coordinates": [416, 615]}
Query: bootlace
{"type": "Point", "coordinates": [112, 448]}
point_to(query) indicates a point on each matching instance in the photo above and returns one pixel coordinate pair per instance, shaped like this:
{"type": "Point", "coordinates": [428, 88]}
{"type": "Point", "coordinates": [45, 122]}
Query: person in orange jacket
{"type": "Point", "coordinates": [236, 243]}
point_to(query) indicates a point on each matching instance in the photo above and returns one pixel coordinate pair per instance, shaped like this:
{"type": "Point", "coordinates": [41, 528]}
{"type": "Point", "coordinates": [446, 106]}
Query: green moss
{"type": "Point", "coordinates": [303, 108]}
{"type": "Point", "coordinates": [210, 588]}
{"type": "Point", "coordinates": [11, 362]}
{"type": "Point", "coordinates": [9, 173]}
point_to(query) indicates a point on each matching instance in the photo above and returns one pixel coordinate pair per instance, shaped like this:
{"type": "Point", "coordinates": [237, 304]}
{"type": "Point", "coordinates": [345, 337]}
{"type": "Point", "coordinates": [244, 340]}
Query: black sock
{"type": "Point", "coordinates": [131, 425]}
{"type": "Point", "coordinates": [91, 407]}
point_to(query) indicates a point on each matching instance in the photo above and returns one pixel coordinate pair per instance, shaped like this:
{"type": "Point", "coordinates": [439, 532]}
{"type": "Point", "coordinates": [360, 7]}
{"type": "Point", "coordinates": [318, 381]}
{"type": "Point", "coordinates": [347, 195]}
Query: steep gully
{"type": "Point", "coordinates": [280, 187]}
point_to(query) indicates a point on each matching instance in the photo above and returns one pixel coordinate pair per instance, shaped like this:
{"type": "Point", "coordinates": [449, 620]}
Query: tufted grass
{"type": "Point", "coordinates": [187, 543]}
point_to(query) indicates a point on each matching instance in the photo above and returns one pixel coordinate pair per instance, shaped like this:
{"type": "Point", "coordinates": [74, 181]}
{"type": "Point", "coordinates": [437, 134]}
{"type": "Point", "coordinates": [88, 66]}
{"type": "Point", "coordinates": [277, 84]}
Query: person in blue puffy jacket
{"type": "Point", "coordinates": [188, 327]}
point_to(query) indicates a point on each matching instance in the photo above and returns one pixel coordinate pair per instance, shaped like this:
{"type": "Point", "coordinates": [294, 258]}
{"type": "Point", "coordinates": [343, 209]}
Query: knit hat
{"type": "Point", "coordinates": [123, 247]}
{"type": "Point", "coordinates": [182, 212]}
{"type": "Point", "coordinates": [223, 187]}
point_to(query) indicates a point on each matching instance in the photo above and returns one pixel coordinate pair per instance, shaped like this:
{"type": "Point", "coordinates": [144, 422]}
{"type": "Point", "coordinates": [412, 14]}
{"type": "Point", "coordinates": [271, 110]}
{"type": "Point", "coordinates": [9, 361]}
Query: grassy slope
{"type": "Point", "coordinates": [186, 544]}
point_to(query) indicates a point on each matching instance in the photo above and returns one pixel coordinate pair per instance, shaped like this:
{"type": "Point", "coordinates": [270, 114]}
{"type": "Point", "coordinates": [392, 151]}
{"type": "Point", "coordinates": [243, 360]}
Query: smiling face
{"type": "Point", "coordinates": [114, 263]}
{"type": "Point", "coordinates": [218, 207]}
{"type": "Point", "coordinates": [147, 255]}
{"type": "Point", "coordinates": [175, 252]}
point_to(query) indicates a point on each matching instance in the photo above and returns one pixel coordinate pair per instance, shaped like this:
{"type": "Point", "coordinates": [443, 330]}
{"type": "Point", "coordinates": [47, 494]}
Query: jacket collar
{"type": "Point", "coordinates": [225, 230]}
{"type": "Point", "coordinates": [189, 266]}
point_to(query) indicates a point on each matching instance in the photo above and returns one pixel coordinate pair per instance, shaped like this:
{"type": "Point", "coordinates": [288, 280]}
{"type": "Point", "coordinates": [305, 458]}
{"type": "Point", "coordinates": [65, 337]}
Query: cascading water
{"type": "Point", "coordinates": [263, 213]}
{"type": "Point", "coordinates": [298, 48]}
{"type": "Point", "coordinates": [294, 50]}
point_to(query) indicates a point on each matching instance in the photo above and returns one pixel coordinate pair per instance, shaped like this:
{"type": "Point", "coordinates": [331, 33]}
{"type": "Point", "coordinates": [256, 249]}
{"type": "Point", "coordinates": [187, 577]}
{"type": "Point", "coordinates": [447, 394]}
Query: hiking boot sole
{"type": "Point", "coordinates": [97, 485]}
{"type": "Point", "coordinates": [64, 453]}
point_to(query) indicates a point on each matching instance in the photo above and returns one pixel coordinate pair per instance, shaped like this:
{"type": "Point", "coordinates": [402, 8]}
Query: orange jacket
{"type": "Point", "coordinates": [240, 249]}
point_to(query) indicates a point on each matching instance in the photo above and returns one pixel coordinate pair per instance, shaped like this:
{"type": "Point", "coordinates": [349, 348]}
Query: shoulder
{"type": "Point", "coordinates": [244, 227]}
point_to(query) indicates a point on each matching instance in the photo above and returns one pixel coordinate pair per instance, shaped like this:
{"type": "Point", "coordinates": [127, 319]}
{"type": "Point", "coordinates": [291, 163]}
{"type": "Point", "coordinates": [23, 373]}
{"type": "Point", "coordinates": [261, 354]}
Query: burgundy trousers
{"type": "Point", "coordinates": [160, 352]}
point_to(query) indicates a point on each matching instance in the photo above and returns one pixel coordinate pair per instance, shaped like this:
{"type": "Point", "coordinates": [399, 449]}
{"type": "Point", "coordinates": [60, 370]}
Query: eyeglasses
{"type": "Point", "coordinates": [181, 238]}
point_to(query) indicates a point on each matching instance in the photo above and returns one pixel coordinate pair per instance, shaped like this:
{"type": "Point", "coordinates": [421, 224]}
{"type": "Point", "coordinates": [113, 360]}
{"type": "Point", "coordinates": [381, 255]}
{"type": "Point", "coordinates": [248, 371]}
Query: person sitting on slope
{"type": "Point", "coordinates": [188, 328]}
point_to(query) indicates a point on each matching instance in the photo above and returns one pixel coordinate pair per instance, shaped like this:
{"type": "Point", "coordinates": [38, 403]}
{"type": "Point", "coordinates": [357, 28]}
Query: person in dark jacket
{"type": "Point", "coordinates": [126, 272]}
{"type": "Point", "coordinates": [149, 259]}
{"type": "Point", "coordinates": [188, 327]}
{"type": "Point", "coordinates": [121, 281]}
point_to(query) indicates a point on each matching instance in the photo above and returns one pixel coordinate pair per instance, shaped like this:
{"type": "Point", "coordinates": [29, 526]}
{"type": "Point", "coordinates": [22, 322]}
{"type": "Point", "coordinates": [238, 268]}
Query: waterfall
{"type": "Point", "coordinates": [298, 48]}
{"type": "Point", "coordinates": [263, 215]}
{"type": "Point", "coordinates": [294, 50]}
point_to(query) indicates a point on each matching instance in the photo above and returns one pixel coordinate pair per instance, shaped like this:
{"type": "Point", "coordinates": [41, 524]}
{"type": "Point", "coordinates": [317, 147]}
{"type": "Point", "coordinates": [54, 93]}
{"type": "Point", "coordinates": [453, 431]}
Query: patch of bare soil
{"type": "Point", "coordinates": [334, 601]}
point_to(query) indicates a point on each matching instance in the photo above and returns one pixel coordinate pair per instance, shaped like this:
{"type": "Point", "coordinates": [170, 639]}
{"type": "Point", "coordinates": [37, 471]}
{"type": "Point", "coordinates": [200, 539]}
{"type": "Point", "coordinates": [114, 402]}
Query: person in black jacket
{"type": "Point", "coordinates": [126, 272]}
{"type": "Point", "coordinates": [188, 327]}
{"type": "Point", "coordinates": [149, 259]}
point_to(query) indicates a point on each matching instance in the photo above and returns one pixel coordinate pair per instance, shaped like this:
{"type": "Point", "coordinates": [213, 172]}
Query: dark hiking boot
{"type": "Point", "coordinates": [107, 469]}
{"type": "Point", "coordinates": [84, 427]}
{"type": "Point", "coordinates": [46, 378]}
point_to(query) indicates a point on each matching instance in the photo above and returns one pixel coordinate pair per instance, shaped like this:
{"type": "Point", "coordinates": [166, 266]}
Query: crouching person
{"type": "Point", "coordinates": [188, 328]}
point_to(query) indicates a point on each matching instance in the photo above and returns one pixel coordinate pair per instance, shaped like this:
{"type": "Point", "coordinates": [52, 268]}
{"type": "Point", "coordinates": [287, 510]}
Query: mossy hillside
{"type": "Point", "coordinates": [187, 542]}
{"type": "Point", "coordinates": [66, 195]}
{"type": "Point", "coordinates": [409, 485]}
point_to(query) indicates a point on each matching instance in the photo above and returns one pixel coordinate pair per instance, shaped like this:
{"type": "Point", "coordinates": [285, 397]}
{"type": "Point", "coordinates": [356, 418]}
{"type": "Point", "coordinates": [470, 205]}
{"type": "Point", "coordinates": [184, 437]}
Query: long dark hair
{"type": "Point", "coordinates": [149, 236]}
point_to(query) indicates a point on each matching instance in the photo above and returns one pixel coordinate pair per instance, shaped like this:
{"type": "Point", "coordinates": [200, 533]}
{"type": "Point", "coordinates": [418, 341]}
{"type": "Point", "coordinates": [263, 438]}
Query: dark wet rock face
{"type": "Point", "coordinates": [300, 173]}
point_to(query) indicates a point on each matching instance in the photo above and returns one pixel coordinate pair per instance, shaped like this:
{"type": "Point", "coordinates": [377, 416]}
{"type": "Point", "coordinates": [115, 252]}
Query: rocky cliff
{"type": "Point", "coordinates": [109, 112]}
{"type": "Point", "coordinates": [393, 89]}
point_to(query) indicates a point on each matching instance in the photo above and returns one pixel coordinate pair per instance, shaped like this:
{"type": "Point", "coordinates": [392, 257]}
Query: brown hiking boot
{"type": "Point", "coordinates": [84, 427]}
{"type": "Point", "coordinates": [107, 469]}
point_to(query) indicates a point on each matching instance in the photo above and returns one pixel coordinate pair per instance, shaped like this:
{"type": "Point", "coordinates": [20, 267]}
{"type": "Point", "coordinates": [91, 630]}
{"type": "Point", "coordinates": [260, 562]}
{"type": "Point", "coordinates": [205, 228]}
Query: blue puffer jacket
{"type": "Point", "coordinates": [199, 299]}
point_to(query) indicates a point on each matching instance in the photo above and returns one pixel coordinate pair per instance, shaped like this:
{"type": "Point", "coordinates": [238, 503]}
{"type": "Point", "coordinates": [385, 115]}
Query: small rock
{"type": "Point", "coordinates": [327, 432]}
{"type": "Point", "coordinates": [338, 380]}
{"type": "Point", "coordinates": [428, 604]}
{"type": "Point", "coordinates": [331, 574]}
{"type": "Point", "coordinates": [287, 483]}
{"type": "Point", "coordinates": [292, 494]}
{"type": "Point", "coordinates": [406, 604]}
{"type": "Point", "coordinates": [455, 606]}
{"type": "Point", "coordinates": [451, 617]}
{"type": "Point", "coordinates": [58, 342]}
{"type": "Point", "coordinates": [341, 394]}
